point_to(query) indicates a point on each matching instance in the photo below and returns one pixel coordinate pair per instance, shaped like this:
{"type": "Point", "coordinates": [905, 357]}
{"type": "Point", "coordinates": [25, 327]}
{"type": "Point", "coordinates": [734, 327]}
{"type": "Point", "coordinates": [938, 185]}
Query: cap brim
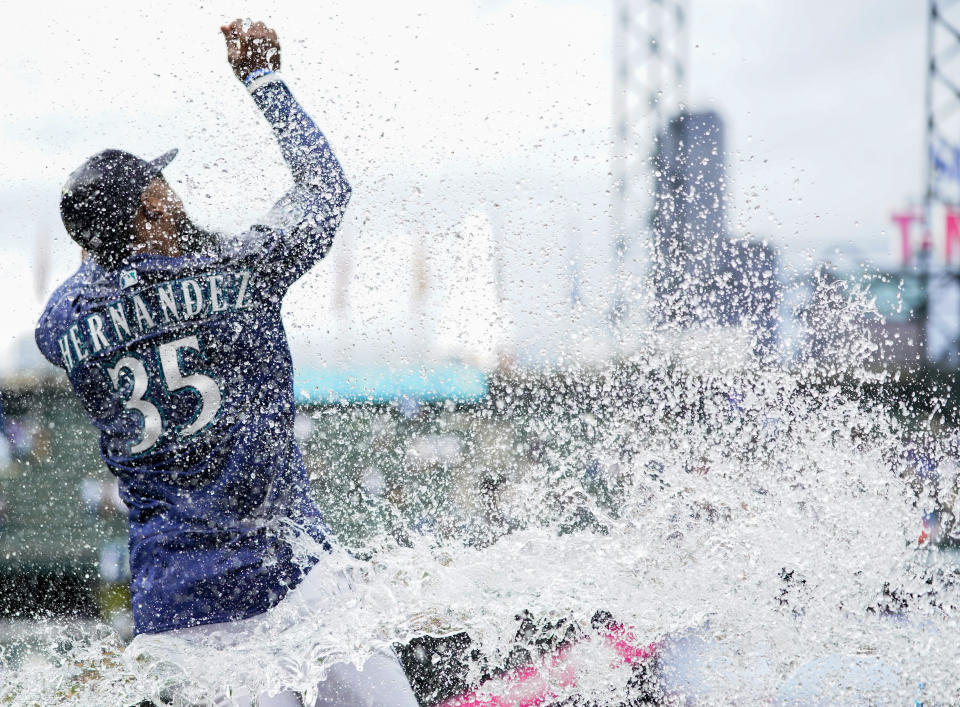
{"type": "Point", "coordinates": [162, 161]}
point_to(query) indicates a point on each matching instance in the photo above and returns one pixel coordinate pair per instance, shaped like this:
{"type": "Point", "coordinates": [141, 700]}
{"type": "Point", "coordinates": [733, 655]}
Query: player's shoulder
{"type": "Point", "coordinates": [247, 244]}
{"type": "Point", "coordinates": [66, 296]}
{"type": "Point", "coordinates": [62, 307]}
{"type": "Point", "coordinates": [254, 250]}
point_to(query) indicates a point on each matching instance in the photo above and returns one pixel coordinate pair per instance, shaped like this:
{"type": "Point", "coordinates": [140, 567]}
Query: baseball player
{"type": "Point", "coordinates": [172, 339]}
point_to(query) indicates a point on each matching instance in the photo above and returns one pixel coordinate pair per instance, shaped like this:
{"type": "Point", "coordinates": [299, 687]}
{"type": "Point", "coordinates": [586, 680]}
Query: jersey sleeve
{"type": "Point", "coordinates": [299, 230]}
{"type": "Point", "coordinates": [46, 338]}
{"type": "Point", "coordinates": [53, 323]}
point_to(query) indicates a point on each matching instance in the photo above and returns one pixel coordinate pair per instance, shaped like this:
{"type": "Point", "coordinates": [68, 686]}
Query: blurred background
{"type": "Point", "coordinates": [502, 153]}
{"type": "Point", "coordinates": [537, 185]}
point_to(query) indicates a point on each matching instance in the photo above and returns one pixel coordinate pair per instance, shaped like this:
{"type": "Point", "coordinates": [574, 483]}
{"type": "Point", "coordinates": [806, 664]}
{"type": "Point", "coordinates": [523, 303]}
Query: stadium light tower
{"type": "Point", "coordinates": [942, 178]}
{"type": "Point", "coordinates": [942, 135]}
{"type": "Point", "coordinates": [650, 54]}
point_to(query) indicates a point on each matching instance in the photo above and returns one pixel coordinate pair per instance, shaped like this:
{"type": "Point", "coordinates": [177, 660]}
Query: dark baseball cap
{"type": "Point", "coordinates": [102, 196]}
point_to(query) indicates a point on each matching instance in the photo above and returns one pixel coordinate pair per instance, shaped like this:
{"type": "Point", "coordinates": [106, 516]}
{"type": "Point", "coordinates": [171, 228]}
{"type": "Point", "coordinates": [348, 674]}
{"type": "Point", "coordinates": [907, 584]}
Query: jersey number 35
{"type": "Point", "coordinates": [174, 379]}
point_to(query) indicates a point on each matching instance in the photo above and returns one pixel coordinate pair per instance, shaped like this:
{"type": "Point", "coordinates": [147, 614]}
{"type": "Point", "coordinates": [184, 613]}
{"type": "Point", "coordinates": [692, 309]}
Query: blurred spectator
{"type": "Point", "coordinates": [101, 497]}
{"type": "Point", "coordinates": [27, 438]}
{"type": "Point", "coordinates": [408, 407]}
{"type": "Point", "coordinates": [114, 562]}
{"type": "Point", "coordinates": [20, 433]}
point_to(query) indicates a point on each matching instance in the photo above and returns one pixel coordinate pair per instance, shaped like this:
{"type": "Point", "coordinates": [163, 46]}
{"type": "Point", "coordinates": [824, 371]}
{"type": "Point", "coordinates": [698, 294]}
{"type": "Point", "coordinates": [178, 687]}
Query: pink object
{"type": "Point", "coordinates": [952, 234]}
{"type": "Point", "coordinates": [534, 685]}
{"type": "Point", "coordinates": [624, 642]}
{"type": "Point", "coordinates": [904, 221]}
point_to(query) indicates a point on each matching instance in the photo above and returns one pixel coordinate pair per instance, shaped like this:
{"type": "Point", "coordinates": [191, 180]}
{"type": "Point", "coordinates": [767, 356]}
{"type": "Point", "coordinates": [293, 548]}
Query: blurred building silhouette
{"type": "Point", "coordinates": [701, 275]}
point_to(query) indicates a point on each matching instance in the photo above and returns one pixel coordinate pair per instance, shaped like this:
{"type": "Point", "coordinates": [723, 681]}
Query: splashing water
{"type": "Point", "coordinates": [752, 520]}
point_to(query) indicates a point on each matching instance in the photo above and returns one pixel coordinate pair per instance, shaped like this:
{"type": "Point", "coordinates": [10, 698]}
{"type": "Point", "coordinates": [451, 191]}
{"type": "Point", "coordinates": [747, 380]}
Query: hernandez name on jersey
{"type": "Point", "coordinates": [184, 300]}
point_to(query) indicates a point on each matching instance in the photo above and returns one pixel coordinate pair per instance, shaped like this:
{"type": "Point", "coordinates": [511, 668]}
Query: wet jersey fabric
{"type": "Point", "coordinates": [183, 366]}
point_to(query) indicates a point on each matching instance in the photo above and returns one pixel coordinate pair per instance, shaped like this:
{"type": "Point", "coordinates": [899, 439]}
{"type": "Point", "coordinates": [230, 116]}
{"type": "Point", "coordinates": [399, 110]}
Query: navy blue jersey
{"type": "Point", "coordinates": [183, 366]}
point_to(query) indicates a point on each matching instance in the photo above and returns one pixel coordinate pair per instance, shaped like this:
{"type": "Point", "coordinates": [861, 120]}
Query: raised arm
{"type": "Point", "coordinates": [303, 222]}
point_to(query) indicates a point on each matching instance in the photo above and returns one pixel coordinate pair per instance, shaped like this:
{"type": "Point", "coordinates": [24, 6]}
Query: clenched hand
{"type": "Point", "coordinates": [250, 47]}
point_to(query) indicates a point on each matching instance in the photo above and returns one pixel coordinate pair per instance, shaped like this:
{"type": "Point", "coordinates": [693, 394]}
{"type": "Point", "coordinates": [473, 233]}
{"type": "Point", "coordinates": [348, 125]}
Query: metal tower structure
{"type": "Point", "coordinates": [942, 135]}
{"type": "Point", "coordinates": [650, 57]}
{"type": "Point", "coordinates": [942, 174]}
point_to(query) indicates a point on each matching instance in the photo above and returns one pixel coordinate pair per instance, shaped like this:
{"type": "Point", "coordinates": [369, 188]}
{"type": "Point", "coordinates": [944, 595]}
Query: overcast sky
{"type": "Point", "coordinates": [448, 114]}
